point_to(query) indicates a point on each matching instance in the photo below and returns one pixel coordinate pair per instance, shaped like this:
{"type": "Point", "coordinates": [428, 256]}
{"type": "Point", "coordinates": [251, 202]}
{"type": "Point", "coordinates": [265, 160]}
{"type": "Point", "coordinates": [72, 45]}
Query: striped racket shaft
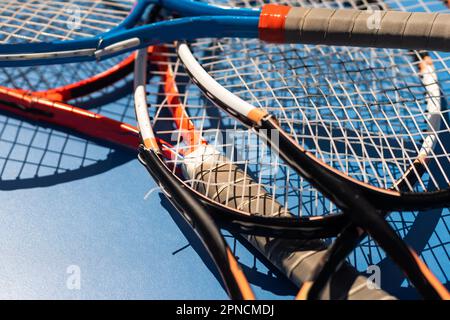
{"type": "Point", "coordinates": [222, 181]}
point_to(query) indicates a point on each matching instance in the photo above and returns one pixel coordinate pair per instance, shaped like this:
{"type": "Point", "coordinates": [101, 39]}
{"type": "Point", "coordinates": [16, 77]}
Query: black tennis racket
{"type": "Point", "coordinates": [350, 121]}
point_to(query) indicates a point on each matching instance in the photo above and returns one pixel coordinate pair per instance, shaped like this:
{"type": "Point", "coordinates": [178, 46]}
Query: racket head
{"type": "Point", "coordinates": [80, 22]}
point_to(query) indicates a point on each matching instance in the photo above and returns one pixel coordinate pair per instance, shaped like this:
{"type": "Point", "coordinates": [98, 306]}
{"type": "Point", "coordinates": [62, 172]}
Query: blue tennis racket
{"type": "Point", "coordinates": [56, 31]}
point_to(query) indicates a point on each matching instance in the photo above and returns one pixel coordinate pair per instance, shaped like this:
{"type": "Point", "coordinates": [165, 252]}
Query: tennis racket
{"type": "Point", "coordinates": [55, 31]}
{"type": "Point", "coordinates": [341, 121]}
{"type": "Point", "coordinates": [230, 180]}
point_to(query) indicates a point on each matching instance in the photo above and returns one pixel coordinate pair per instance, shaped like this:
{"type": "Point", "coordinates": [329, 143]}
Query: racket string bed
{"type": "Point", "coordinates": [337, 115]}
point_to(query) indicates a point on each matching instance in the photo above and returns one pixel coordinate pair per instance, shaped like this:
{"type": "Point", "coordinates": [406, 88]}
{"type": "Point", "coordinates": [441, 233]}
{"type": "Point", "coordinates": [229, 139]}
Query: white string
{"type": "Point", "coordinates": [370, 107]}
{"type": "Point", "coordinates": [51, 20]}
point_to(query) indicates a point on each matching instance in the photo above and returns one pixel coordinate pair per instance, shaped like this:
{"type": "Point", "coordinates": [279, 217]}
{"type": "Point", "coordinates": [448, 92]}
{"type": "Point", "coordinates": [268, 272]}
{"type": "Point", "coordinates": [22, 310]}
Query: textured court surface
{"type": "Point", "coordinates": [125, 246]}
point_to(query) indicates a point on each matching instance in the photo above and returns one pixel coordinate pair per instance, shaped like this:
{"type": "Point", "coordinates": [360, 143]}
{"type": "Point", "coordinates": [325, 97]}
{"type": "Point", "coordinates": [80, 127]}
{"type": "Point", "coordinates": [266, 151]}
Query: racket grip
{"type": "Point", "coordinates": [222, 181]}
{"type": "Point", "coordinates": [362, 28]}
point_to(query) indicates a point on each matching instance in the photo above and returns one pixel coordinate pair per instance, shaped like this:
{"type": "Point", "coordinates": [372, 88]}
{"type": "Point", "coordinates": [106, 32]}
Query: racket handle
{"type": "Point", "coordinates": [362, 28]}
{"type": "Point", "coordinates": [297, 259]}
